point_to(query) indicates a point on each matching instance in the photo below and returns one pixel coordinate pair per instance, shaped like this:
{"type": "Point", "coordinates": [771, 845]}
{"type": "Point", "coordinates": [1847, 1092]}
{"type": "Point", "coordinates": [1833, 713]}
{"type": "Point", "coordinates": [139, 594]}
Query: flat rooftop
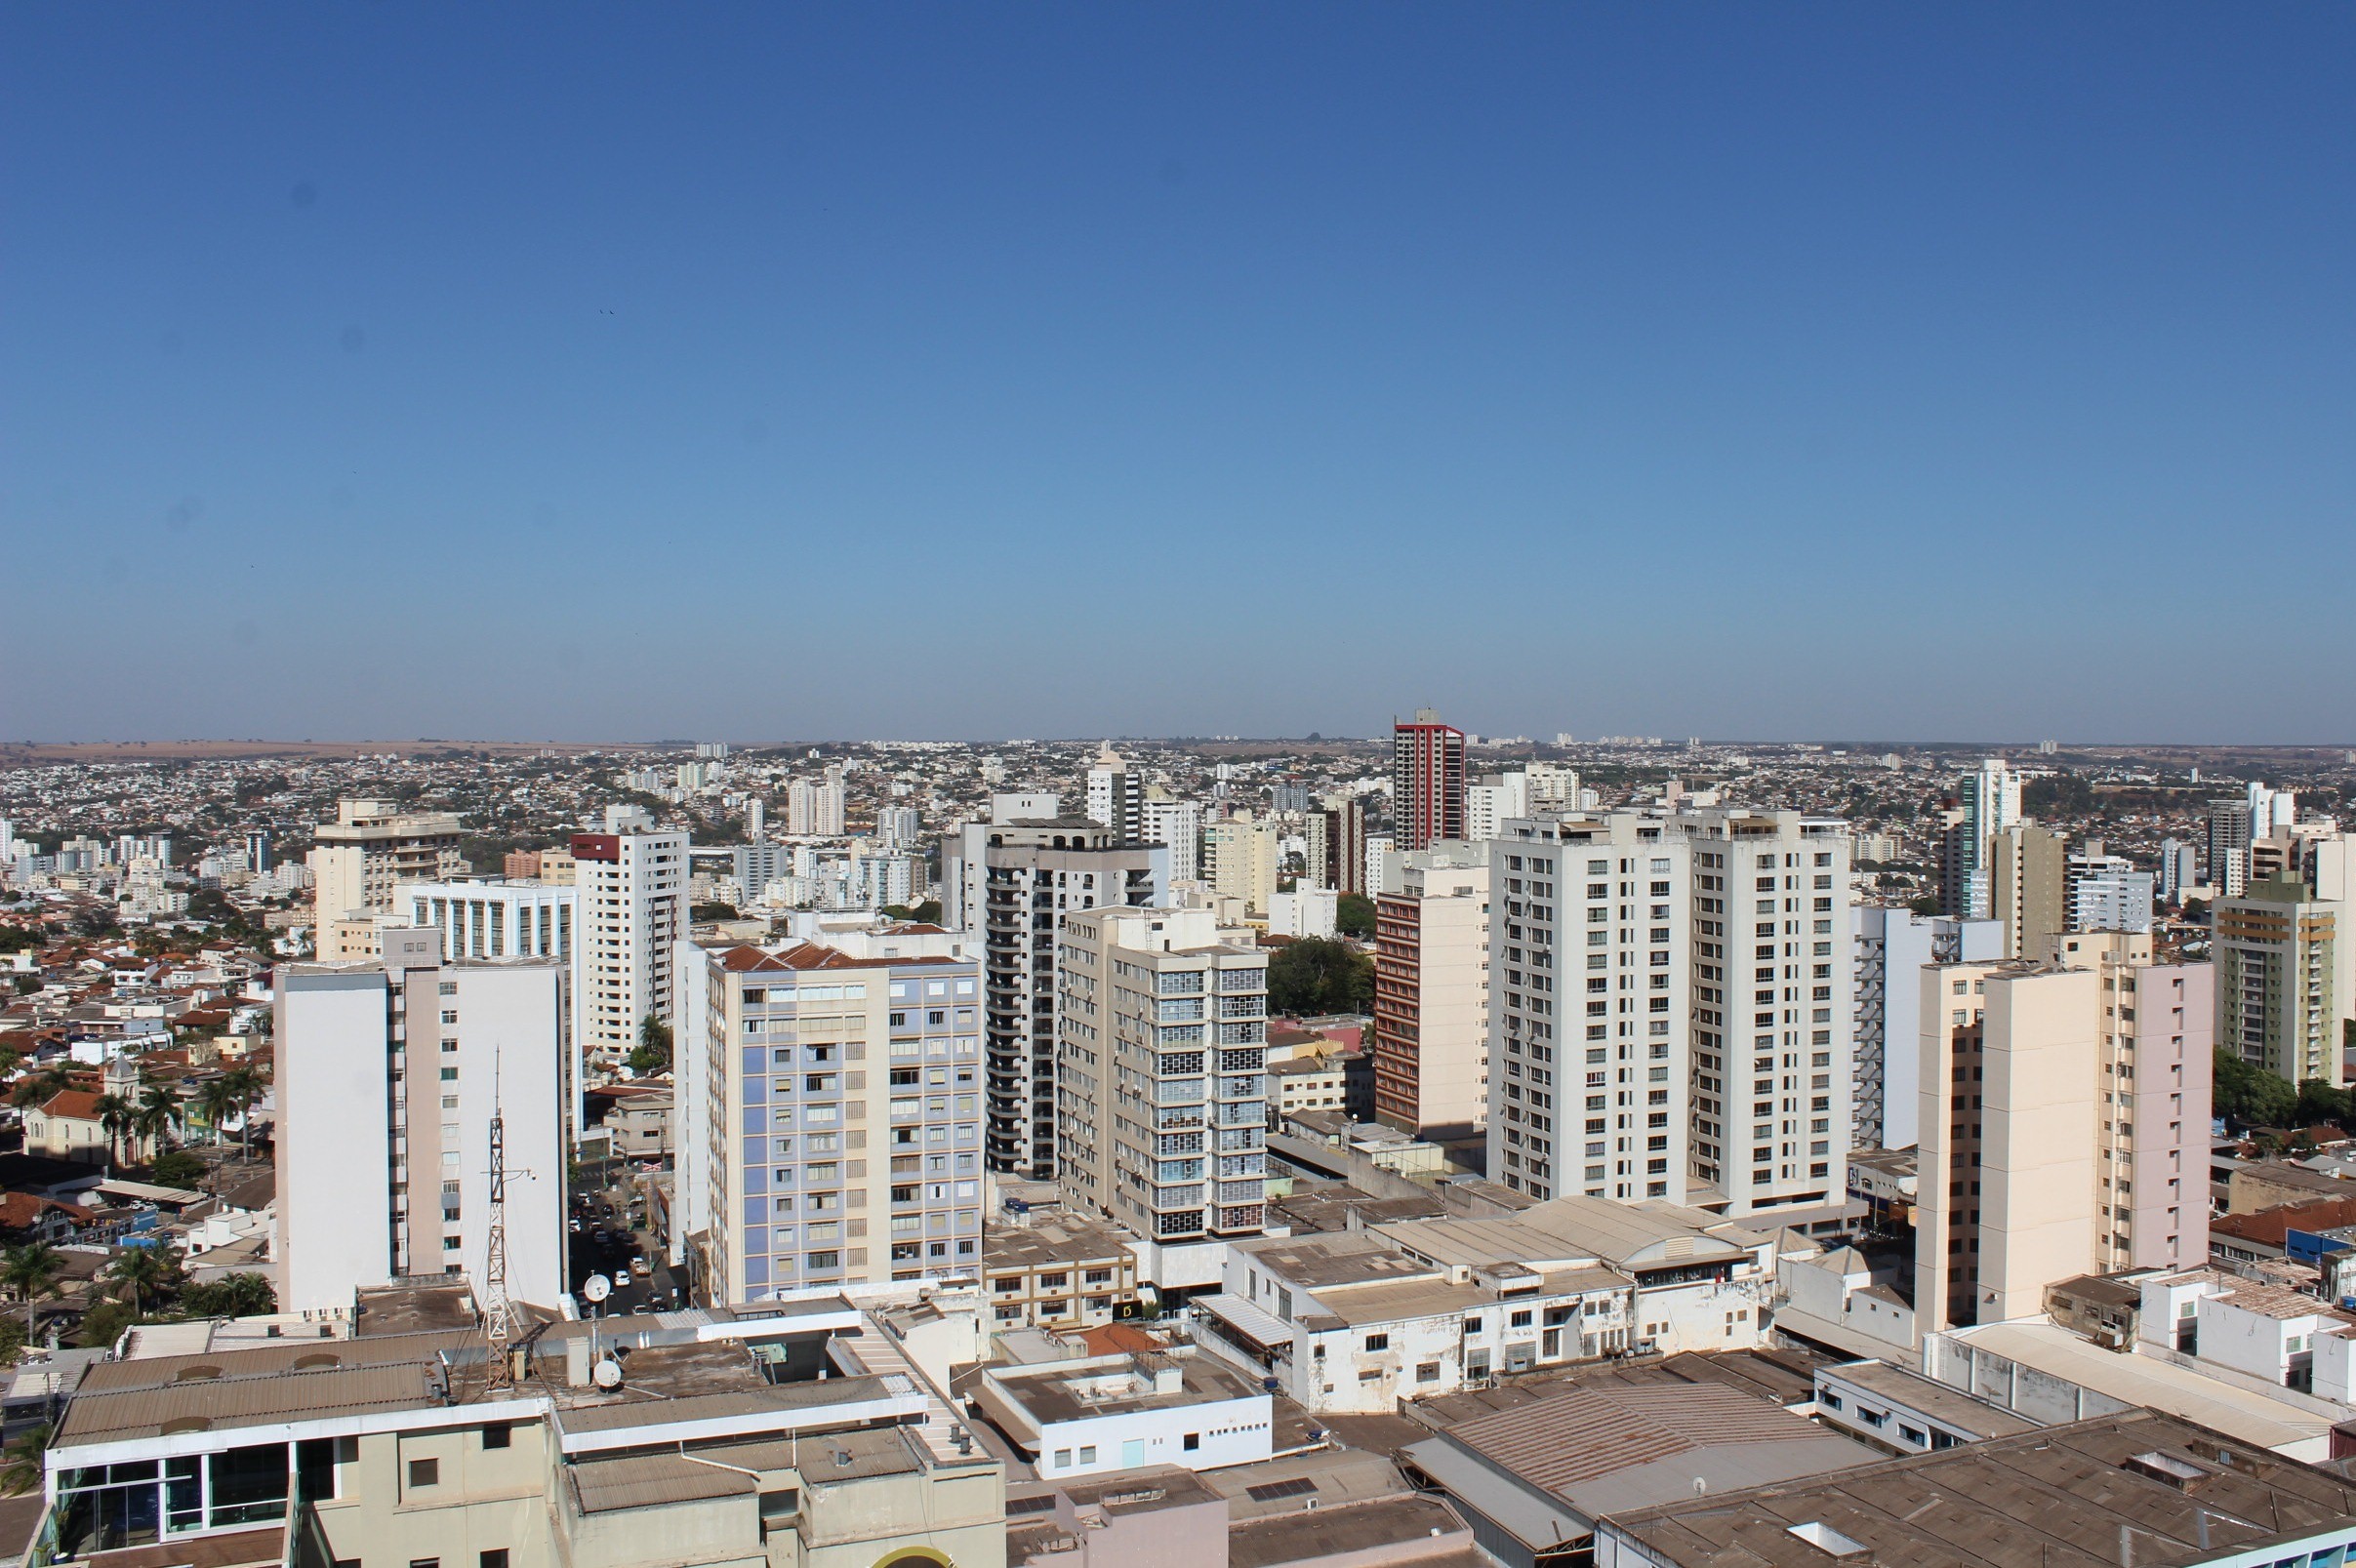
{"type": "Point", "coordinates": [1332, 1532]}
{"type": "Point", "coordinates": [1079, 1390]}
{"type": "Point", "coordinates": [2184, 1494]}
{"type": "Point", "coordinates": [1932, 1398]}
{"type": "Point", "coordinates": [1047, 1242]}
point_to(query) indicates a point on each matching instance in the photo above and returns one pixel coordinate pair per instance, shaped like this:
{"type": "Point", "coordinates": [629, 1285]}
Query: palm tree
{"type": "Point", "coordinates": [20, 1467]}
{"type": "Point", "coordinates": [40, 1086]}
{"type": "Point", "coordinates": [147, 1272]}
{"type": "Point", "coordinates": [216, 1100]}
{"type": "Point", "coordinates": [30, 1272]}
{"type": "Point", "coordinates": [115, 1116]}
{"type": "Point", "coordinates": [156, 1117]}
{"type": "Point", "coordinates": [247, 1086]}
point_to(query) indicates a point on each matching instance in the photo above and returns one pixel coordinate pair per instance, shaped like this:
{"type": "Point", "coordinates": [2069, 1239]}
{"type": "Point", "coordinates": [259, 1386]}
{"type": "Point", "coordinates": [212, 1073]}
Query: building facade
{"type": "Point", "coordinates": [1891, 947]}
{"type": "Point", "coordinates": [1012, 880]}
{"type": "Point", "coordinates": [630, 906]}
{"type": "Point", "coordinates": [358, 860]}
{"type": "Point", "coordinates": [2278, 971]}
{"type": "Point", "coordinates": [492, 919]}
{"type": "Point", "coordinates": [1427, 780]}
{"type": "Point", "coordinates": [838, 1105]}
{"type": "Point", "coordinates": [1431, 994]}
{"type": "Point", "coordinates": [1670, 1008]}
{"type": "Point", "coordinates": [1163, 1088]}
{"type": "Point", "coordinates": [389, 1075]}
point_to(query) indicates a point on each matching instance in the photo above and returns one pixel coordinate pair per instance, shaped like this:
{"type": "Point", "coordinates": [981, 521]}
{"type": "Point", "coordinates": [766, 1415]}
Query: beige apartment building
{"type": "Point", "coordinates": [2064, 1124]}
{"type": "Point", "coordinates": [840, 1136]}
{"type": "Point", "coordinates": [704, 1441]}
{"type": "Point", "coordinates": [2277, 976]}
{"type": "Point", "coordinates": [1161, 1081]}
{"type": "Point", "coordinates": [2029, 877]}
{"type": "Point", "coordinates": [357, 861]}
{"type": "Point", "coordinates": [1432, 994]}
{"type": "Point", "coordinates": [1238, 859]}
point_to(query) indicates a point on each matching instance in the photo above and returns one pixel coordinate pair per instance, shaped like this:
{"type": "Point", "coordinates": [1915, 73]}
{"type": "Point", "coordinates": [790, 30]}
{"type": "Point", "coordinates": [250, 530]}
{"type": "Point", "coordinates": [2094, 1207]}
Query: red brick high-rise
{"type": "Point", "coordinates": [1427, 780]}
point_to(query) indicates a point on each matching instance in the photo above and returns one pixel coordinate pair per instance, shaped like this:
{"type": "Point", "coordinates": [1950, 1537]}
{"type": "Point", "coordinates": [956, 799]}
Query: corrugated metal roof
{"type": "Point", "coordinates": [1590, 1432]}
{"type": "Point", "coordinates": [96, 1416]}
{"type": "Point", "coordinates": [628, 1412]}
{"type": "Point", "coordinates": [650, 1480]}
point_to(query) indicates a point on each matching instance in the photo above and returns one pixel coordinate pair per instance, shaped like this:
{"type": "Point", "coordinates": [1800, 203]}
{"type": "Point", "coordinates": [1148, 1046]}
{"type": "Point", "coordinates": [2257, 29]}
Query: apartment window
{"type": "Point", "coordinates": [424, 1472]}
{"type": "Point", "coordinates": [497, 1435]}
{"type": "Point", "coordinates": [1192, 1442]}
{"type": "Point", "coordinates": [493, 1558]}
{"type": "Point", "coordinates": [1088, 1455]}
{"type": "Point", "coordinates": [1378, 1342]}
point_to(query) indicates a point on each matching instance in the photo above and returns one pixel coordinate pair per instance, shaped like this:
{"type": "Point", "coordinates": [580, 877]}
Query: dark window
{"type": "Point", "coordinates": [495, 1557]}
{"type": "Point", "coordinates": [1194, 1440]}
{"type": "Point", "coordinates": [494, 1434]}
{"type": "Point", "coordinates": [424, 1472]}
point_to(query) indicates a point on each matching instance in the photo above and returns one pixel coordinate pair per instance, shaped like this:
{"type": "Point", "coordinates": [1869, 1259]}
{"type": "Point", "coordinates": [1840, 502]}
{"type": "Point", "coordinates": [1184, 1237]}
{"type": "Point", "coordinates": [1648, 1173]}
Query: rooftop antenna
{"type": "Point", "coordinates": [499, 1313]}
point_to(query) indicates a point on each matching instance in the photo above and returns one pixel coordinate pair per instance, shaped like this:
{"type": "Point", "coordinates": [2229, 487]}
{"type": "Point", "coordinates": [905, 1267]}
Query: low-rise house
{"type": "Point", "coordinates": [1056, 1270]}
{"type": "Point", "coordinates": [1099, 1413]}
{"type": "Point", "coordinates": [1359, 1320]}
{"type": "Point", "coordinates": [1899, 1411]}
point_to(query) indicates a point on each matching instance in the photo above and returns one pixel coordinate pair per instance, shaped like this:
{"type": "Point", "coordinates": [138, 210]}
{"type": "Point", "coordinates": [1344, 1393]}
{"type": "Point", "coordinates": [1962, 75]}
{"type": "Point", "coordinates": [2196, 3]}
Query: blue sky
{"type": "Point", "coordinates": [979, 371]}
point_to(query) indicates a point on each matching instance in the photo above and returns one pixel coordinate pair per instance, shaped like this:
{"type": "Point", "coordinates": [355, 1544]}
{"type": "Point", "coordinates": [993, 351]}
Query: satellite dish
{"type": "Point", "coordinates": [608, 1374]}
{"type": "Point", "coordinates": [596, 1287]}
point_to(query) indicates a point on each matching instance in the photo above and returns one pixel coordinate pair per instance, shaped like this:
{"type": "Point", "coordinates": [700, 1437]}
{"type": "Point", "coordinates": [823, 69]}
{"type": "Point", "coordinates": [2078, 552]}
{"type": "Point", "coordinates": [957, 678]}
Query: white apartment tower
{"type": "Point", "coordinates": [831, 1129]}
{"type": "Point", "coordinates": [389, 1075]}
{"type": "Point", "coordinates": [814, 809]}
{"type": "Point", "coordinates": [502, 918]}
{"type": "Point", "coordinates": [359, 858]}
{"type": "Point", "coordinates": [1991, 803]}
{"type": "Point", "coordinates": [630, 905]}
{"type": "Point", "coordinates": [1012, 880]}
{"type": "Point", "coordinates": [1671, 1008]}
{"type": "Point", "coordinates": [1164, 1025]}
{"type": "Point", "coordinates": [1117, 794]}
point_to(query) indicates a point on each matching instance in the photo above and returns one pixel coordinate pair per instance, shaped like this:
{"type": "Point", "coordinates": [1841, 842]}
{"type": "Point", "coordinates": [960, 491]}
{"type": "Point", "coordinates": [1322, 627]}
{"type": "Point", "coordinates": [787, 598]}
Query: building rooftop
{"type": "Point", "coordinates": [1932, 1398]}
{"type": "Point", "coordinates": [1332, 1532]}
{"type": "Point", "coordinates": [1046, 1240]}
{"type": "Point", "coordinates": [2177, 1495]}
{"type": "Point", "coordinates": [1783, 1378]}
{"type": "Point", "coordinates": [1025, 1398]}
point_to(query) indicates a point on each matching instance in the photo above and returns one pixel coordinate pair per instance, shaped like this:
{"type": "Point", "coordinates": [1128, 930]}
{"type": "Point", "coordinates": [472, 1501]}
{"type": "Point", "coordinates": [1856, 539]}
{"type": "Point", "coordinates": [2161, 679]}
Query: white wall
{"type": "Point", "coordinates": [335, 1232]}
{"type": "Point", "coordinates": [509, 1054]}
{"type": "Point", "coordinates": [1233, 1431]}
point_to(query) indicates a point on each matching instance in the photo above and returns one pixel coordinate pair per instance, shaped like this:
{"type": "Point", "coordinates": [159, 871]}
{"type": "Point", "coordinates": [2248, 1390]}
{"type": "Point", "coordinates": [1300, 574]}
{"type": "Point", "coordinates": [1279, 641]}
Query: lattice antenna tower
{"type": "Point", "coordinates": [499, 1312]}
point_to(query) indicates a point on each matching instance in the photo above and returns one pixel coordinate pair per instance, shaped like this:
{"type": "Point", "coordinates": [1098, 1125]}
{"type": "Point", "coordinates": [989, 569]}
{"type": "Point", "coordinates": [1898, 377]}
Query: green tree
{"type": "Point", "coordinates": [30, 1272]}
{"type": "Point", "coordinates": [103, 1324]}
{"type": "Point", "coordinates": [40, 1086]}
{"type": "Point", "coordinates": [653, 1053]}
{"type": "Point", "coordinates": [217, 1102]}
{"type": "Point", "coordinates": [924, 915]}
{"type": "Point", "coordinates": [1354, 916]}
{"type": "Point", "coordinates": [712, 911]}
{"type": "Point", "coordinates": [2319, 1102]}
{"type": "Point", "coordinates": [2247, 1095]}
{"type": "Point", "coordinates": [116, 1115]}
{"type": "Point", "coordinates": [1320, 974]}
{"type": "Point", "coordinates": [245, 1093]}
{"type": "Point", "coordinates": [239, 1294]}
{"type": "Point", "coordinates": [178, 1167]}
{"type": "Point", "coordinates": [148, 1274]}
{"type": "Point", "coordinates": [157, 1116]}
{"type": "Point", "coordinates": [22, 1466]}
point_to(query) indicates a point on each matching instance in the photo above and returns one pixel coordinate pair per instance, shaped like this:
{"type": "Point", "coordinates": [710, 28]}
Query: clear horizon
{"type": "Point", "coordinates": [591, 370]}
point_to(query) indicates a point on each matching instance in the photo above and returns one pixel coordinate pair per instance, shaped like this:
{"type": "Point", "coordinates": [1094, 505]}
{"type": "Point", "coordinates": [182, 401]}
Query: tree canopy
{"type": "Point", "coordinates": [2247, 1095]}
{"type": "Point", "coordinates": [1319, 975]}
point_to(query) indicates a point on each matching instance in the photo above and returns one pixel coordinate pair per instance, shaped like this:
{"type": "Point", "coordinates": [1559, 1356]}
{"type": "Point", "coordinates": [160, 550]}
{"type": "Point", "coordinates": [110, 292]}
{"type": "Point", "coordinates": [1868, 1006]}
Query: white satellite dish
{"type": "Point", "coordinates": [596, 1287]}
{"type": "Point", "coordinates": [608, 1374]}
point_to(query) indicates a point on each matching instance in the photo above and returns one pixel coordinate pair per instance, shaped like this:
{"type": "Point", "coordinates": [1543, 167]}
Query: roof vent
{"type": "Point", "coordinates": [318, 1359]}
{"type": "Point", "coordinates": [2166, 1468]}
{"type": "Point", "coordinates": [1825, 1539]}
{"type": "Point", "coordinates": [201, 1372]}
{"type": "Point", "coordinates": [185, 1423]}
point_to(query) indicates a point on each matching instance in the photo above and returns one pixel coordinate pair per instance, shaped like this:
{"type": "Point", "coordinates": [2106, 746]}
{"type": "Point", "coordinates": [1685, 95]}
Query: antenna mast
{"type": "Point", "coordinates": [499, 1313]}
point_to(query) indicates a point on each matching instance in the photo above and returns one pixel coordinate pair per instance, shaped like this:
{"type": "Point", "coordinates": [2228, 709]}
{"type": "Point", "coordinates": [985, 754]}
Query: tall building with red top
{"type": "Point", "coordinates": [1427, 780]}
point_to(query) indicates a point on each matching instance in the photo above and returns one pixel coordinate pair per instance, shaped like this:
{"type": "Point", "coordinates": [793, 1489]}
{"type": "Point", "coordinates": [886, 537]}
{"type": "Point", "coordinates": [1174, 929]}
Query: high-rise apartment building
{"type": "Point", "coordinates": [1429, 1044]}
{"type": "Point", "coordinates": [1990, 803]}
{"type": "Point", "coordinates": [1670, 1005]}
{"type": "Point", "coordinates": [815, 808]}
{"type": "Point", "coordinates": [2179, 869]}
{"type": "Point", "coordinates": [1115, 795]}
{"type": "Point", "coordinates": [388, 1074]}
{"type": "Point", "coordinates": [1163, 1086]}
{"type": "Point", "coordinates": [1011, 879]}
{"type": "Point", "coordinates": [1177, 825]}
{"type": "Point", "coordinates": [492, 919]}
{"type": "Point", "coordinates": [900, 826]}
{"type": "Point", "coordinates": [358, 859]}
{"type": "Point", "coordinates": [831, 1119]}
{"type": "Point", "coordinates": [630, 905]}
{"type": "Point", "coordinates": [1346, 845]}
{"type": "Point", "coordinates": [2278, 974]}
{"type": "Point", "coordinates": [1892, 946]}
{"type": "Point", "coordinates": [1427, 780]}
{"type": "Point", "coordinates": [1240, 860]}
{"type": "Point", "coordinates": [2228, 834]}
{"type": "Point", "coordinates": [1494, 800]}
{"type": "Point", "coordinates": [2028, 885]}
{"type": "Point", "coordinates": [2064, 1124]}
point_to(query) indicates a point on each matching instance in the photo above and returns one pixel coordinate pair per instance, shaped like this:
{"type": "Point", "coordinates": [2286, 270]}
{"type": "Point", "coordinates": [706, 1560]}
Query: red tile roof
{"type": "Point", "coordinates": [77, 1104]}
